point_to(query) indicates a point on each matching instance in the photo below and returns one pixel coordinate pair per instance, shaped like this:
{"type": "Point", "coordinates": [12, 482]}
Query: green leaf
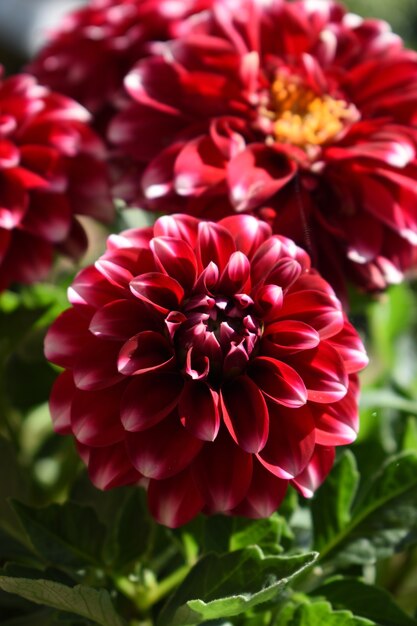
{"type": "Point", "coordinates": [331, 510]}
{"type": "Point", "coordinates": [381, 520]}
{"type": "Point", "coordinates": [265, 533]}
{"type": "Point", "coordinates": [365, 600]}
{"type": "Point", "coordinates": [66, 535]}
{"type": "Point", "coordinates": [92, 604]}
{"type": "Point", "coordinates": [230, 584]}
{"type": "Point", "coordinates": [322, 614]}
{"type": "Point", "coordinates": [388, 399]}
{"type": "Point", "coordinates": [12, 484]}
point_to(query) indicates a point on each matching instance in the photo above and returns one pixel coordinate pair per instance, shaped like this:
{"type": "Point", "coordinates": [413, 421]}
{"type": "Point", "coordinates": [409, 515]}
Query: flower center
{"type": "Point", "coordinates": [303, 118]}
{"type": "Point", "coordinates": [218, 336]}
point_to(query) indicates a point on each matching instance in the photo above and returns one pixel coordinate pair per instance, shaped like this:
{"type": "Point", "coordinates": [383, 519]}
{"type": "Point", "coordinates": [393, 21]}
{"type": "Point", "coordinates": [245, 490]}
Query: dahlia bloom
{"type": "Point", "coordinates": [89, 56]}
{"type": "Point", "coordinates": [51, 168]}
{"type": "Point", "coordinates": [298, 111]}
{"type": "Point", "coordinates": [210, 363]}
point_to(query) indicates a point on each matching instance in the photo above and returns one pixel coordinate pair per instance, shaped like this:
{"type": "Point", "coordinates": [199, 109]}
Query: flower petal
{"type": "Point", "coordinates": [316, 471]}
{"type": "Point", "coordinates": [198, 410]}
{"type": "Point", "coordinates": [245, 413]}
{"type": "Point", "coordinates": [174, 501]}
{"type": "Point", "coordinates": [278, 381]}
{"type": "Point", "coordinates": [145, 352]}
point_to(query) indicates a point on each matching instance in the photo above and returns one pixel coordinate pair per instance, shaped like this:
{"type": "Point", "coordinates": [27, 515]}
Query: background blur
{"type": "Point", "coordinates": [25, 24]}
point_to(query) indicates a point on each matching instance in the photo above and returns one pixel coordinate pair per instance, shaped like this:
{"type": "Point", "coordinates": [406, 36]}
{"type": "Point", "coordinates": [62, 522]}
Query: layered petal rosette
{"type": "Point", "coordinates": [298, 111]}
{"type": "Point", "coordinates": [95, 46]}
{"type": "Point", "coordinates": [51, 168]}
{"type": "Point", "coordinates": [210, 363]}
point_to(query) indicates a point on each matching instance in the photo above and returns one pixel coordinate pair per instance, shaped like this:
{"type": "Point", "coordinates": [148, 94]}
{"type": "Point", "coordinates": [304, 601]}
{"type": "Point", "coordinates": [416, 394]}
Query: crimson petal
{"type": "Point", "coordinates": [278, 381]}
{"type": "Point", "coordinates": [161, 291]}
{"type": "Point", "coordinates": [245, 413]}
{"type": "Point", "coordinates": [163, 450]}
{"type": "Point", "coordinates": [109, 467]}
{"type": "Point", "coordinates": [176, 258]}
{"type": "Point", "coordinates": [149, 398]}
{"type": "Point", "coordinates": [144, 352]}
{"type": "Point", "coordinates": [264, 496]}
{"type": "Point", "coordinates": [60, 403]}
{"type": "Point", "coordinates": [174, 501]}
{"type": "Point", "coordinates": [95, 416]}
{"type": "Point", "coordinates": [316, 471]}
{"type": "Point", "coordinates": [198, 410]}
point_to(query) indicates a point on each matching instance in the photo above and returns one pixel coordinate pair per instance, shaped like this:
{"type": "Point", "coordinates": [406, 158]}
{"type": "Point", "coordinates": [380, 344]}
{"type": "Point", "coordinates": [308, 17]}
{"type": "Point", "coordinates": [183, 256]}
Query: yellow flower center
{"type": "Point", "coordinates": [303, 118]}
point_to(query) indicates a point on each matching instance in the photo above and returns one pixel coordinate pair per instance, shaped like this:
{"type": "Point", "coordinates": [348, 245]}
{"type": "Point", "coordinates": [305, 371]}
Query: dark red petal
{"type": "Point", "coordinates": [350, 347]}
{"type": "Point", "coordinates": [122, 319]}
{"type": "Point", "coordinates": [264, 496]}
{"type": "Point", "coordinates": [149, 398]}
{"type": "Point", "coordinates": [291, 440]}
{"type": "Point", "coordinates": [316, 471]}
{"type": "Point", "coordinates": [159, 290]}
{"type": "Point", "coordinates": [96, 368]}
{"type": "Point", "coordinates": [320, 310]}
{"type": "Point", "coordinates": [174, 501]}
{"type": "Point", "coordinates": [287, 337]}
{"type": "Point", "coordinates": [95, 416]}
{"type": "Point", "coordinates": [144, 352]}
{"type": "Point", "coordinates": [248, 232]}
{"type": "Point", "coordinates": [60, 403]}
{"type": "Point", "coordinates": [323, 372]}
{"type": "Point", "coordinates": [235, 275]}
{"type": "Point", "coordinates": [278, 381]}
{"type": "Point", "coordinates": [223, 473]}
{"type": "Point", "coordinates": [269, 299]}
{"type": "Point", "coordinates": [163, 450]}
{"type": "Point", "coordinates": [338, 423]}
{"type": "Point", "coordinates": [67, 338]}
{"type": "Point", "coordinates": [245, 413]}
{"type": "Point", "coordinates": [176, 258]}
{"type": "Point", "coordinates": [198, 410]}
{"type": "Point", "coordinates": [110, 466]}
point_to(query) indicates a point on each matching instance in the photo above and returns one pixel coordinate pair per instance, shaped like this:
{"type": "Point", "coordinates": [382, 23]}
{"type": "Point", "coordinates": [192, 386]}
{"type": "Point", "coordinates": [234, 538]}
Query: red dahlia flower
{"type": "Point", "coordinates": [296, 110]}
{"type": "Point", "coordinates": [51, 168]}
{"type": "Point", "coordinates": [97, 45]}
{"type": "Point", "coordinates": [208, 361]}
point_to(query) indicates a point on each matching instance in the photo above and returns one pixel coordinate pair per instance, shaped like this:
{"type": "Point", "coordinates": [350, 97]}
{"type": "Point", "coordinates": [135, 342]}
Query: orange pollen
{"type": "Point", "coordinates": [303, 118]}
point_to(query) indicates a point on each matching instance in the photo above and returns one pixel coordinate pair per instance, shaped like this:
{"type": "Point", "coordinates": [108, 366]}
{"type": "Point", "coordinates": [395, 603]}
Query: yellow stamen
{"type": "Point", "coordinates": [303, 118]}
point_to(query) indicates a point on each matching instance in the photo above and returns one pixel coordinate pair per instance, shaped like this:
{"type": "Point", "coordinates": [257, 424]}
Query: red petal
{"type": "Point", "coordinates": [144, 352]}
{"type": "Point", "coordinates": [95, 416]}
{"type": "Point", "coordinates": [60, 403]}
{"type": "Point", "coordinates": [109, 467]}
{"type": "Point", "coordinates": [245, 413]}
{"type": "Point", "coordinates": [198, 410]}
{"type": "Point", "coordinates": [122, 319]}
{"type": "Point", "coordinates": [316, 471]}
{"type": "Point", "coordinates": [223, 472]}
{"type": "Point", "coordinates": [338, 423]}
{"type": "Point", "coordinates": [178, 227]}
{"type": "Point", "coordinates": [265, 494]}
{"type": "Point", "coordinates": [323, 372]}
{"type": "Point", "coordinates": [174, 501]}
{"type": "Point", "coordinates": [287, 337]}
{"type": "Point", "coordinates": [176, 258]}
{"type": "Point", "coordinates": [97, 366]}
{"type": "Point", "coordinates": [149, 398]}
{"type": "Point", "coordinates": [163, 450]}
{"type": "Point", "coordinates": [248, 232]}
{"type": "Point", "coordinates": [291, 440]}
{"type": "Point", "coordinates": [350, 347]}
{"type": "Point", "coordinates": [67, 338]}
{"type": "Point", "coordinates": [215, 245]}
{"type": "Point", "coordinates": [235, 275]}
{"type": "Point", "coordinates": [163, 292]}
{"type": "Point", "coordinates": [278, 381]}
{"type": "Point", "coordinates": [320, 310]}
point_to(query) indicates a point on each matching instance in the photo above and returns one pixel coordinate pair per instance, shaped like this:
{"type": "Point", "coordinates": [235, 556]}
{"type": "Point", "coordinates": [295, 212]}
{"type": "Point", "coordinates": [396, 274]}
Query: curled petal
{"type": "Point", "coordinates": [286, 337]}
{"type": "Point", "coordinates": [177, 227]}
{"type": "Point", "coordinates": [144, 404]}
{"type": "Point", "coordinates": [323, 373]}
{"type": "Point", "coordinates": [269, 299]}
{"type": "Point", "coordinates": [144, 352]}
{"type": "Point", "coordinates": [215, 245]}
{"type": "Point", "coordinates": [245, 413]}
{"type": "Point", "coordinates": [278, 381]}
{"type": "Point", "coordinates": [235, 275]}
{"type": "Point", "coordinates": [337, 424]}
{"type": "Point", "coordinates": [248, 232]}
{"type": "Point", "coordinates": [161, 291]}
{"type": "Point", "coordinates": [122, 319]}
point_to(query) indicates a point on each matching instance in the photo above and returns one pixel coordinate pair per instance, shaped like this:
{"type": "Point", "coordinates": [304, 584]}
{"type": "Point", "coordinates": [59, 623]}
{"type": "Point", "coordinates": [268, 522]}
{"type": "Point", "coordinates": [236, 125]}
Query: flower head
{"type": "Point", "coordinates": [89, 56]}
{"type": "Point", "coordinates": [51, 168]}
{"type": "Point", "coordinates": [209, 362]}
{"type": "Point", "coordinates": [298, 111]}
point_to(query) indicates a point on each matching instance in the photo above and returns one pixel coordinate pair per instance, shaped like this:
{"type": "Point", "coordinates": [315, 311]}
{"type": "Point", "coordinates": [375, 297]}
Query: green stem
{"type": "Point", "coordinates": [151, 596]}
